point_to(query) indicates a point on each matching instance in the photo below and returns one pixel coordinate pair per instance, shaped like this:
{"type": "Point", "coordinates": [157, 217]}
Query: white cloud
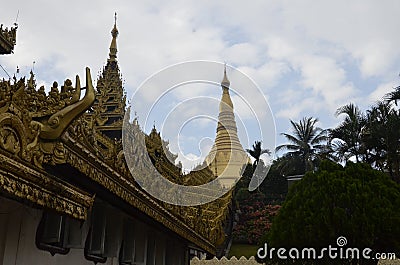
{"type": "Point", "coordinates": [380, 91]}
{"type": "Point", "coordinates": [326, 78]}
{"type": "Point", "coordinates": [307, 57]}
{"type": "Point", "coordinates": [376, 57]}
{"type": "Point", "coordinates": [243, 54]}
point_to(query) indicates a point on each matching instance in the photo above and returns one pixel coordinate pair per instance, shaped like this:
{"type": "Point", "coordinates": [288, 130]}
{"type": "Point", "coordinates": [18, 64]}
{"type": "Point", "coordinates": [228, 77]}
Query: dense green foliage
{"type": "Point", "coordinates": [393, 96]}
{"type": "Point", "coordinates": [372, 137]}
{"type": "Point", "coordinates": [273, 188]}
{"type": "Point", "coordinates": [256, 209]}
{"type": "Point", "coordinates": [357, 202]}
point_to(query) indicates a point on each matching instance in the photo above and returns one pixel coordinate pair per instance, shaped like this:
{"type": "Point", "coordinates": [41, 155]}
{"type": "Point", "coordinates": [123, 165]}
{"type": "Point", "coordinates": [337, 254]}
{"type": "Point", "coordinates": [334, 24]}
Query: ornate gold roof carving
{"type": "Point", "coordinates": [26, 183]}
{"type": "Point", "coordinates": [98, 136]}
{"type": "Point", "coordinates": [204, 224]}
{"type": "Point", "coordinates": [107, 113]}
{"type": "Point", "coordinates": [38, 128]}
{"type": "Point", "coordinates": [7, 39]}
{"type": "Point", "coordinates": [116, 179]}
{"type": "Point", "coordinates": [31, 124]}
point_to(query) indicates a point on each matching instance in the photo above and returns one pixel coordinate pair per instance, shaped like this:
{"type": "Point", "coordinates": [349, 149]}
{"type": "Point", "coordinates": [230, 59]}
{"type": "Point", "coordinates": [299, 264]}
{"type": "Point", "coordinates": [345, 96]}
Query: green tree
{"type": "Point", "coordinates": [357, 202]}
{"type": "Point", "coordinates": [382, 138]}
{"type": "Point", "coordinates": [289, 164]}
{"type": "Point", "coordinates": [346, 139]}
{"type": "Point", "coordinates": [242, 186]}
{"type": "Point", "coordinates": [275, 185]}
{"type": "Point", "coordinates": [393, 96]}
{"type": "Point", "coordinates": [306, 143]}
{"type": "Point", "coordinates": [257, 151]}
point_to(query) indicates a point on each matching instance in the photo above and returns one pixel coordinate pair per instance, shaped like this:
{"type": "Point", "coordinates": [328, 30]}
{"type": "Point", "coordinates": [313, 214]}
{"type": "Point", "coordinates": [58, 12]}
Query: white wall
{"type": "Point", "coordinates": [18, 225]}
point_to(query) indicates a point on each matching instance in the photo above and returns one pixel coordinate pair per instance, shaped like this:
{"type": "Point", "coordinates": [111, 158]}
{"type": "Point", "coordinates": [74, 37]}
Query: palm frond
{"type": "Point", "coordinates": [393, 96]}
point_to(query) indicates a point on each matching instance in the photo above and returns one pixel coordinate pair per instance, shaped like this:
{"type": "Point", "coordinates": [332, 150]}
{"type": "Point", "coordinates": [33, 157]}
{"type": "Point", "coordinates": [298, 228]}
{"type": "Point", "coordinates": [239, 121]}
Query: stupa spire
{"type": "Point", "coordinates": [225, 81]}
{"type": "Point", "coordinates": [113, 45]}
{"type": "Point", "coordinates": [227, 156]}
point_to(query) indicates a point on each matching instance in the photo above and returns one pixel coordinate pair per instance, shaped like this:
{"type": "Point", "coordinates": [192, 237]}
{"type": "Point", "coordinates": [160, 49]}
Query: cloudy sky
{"type": "Point", "coordinates": [307, 57]}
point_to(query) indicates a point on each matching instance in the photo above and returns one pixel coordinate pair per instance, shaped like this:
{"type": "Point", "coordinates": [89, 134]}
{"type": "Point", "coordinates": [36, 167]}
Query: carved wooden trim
{"type": "Point", "coordinates": [43, 190]}
{"type": "Point", "coordinates": [82, 159]}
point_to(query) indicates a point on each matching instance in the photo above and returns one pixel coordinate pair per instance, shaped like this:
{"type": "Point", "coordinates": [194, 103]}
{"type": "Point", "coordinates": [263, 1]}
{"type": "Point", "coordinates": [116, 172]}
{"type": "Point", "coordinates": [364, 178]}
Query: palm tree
{"type": "Point", "coordinates": [393, 96]}
{"type": "Point", "coordinates": [346, 139]}
{"type": "Point", "coordinates": [256, 152]}
{"type": "Point", "coordinates": [289, 165]}
{"type": "Point", "coordinates": [306, 142]}
{"type": "Point", "coordinates": [259, 172]}
{"type": "Point", "coordinates": [382, 138]}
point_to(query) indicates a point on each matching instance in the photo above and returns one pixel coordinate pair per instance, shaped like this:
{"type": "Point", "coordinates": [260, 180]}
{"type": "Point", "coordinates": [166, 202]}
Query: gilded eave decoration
{"type": "Point", "coordinates": [56, 128]}
{"type": "Point", "coordinates": [7, 39]}
{"type": "Point", "coordinates": [202, 225]}
{"type": "Point", "coordinates": [114, 176]}
{"type": "Point", "coordinates": [31, 123]}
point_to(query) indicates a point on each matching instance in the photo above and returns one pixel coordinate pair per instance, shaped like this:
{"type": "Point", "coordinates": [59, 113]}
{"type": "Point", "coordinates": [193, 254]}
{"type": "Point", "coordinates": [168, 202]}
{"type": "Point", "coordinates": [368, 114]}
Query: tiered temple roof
{"type": "Point", "coordinates": [107, 113]}
{"type": "Point", "coordinates": [109, 106]}
{"type": "Point", "coordinates": [61, 152]}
